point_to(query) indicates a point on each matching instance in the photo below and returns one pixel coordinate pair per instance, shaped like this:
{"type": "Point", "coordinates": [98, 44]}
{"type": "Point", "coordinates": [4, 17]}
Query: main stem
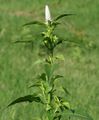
{"type": "Point", "coordinates": [50, 56]}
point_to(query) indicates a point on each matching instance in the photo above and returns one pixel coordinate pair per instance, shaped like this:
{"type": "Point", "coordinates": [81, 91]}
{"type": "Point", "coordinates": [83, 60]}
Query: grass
{"type": "Point", "coordinates": [17, 68]}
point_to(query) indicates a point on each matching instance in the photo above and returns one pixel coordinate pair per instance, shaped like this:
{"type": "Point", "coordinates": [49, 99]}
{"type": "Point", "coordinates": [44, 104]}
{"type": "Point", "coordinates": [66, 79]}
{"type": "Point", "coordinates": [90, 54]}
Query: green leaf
{"type": "Point", "coordinates": [57, 116]}
{"type": "Point", "coordinates": [35, 85]}
{"type": "Point", "coordinates": [61, 16]}
{"type": "Point", "coordinates": [66, 105]}
{"type": "Point", "coordinates": [34, 23]}
{"type": "Point", "coordinates": [27, 98]}
{"type": "Point", "coordinates": [54, 23]}
{"type": "Point", "coordinates": [78, 113]}
{"type": "Point", "coordinates": [39, 61]}
{"type": "Point", "coordinates": [66, 91]}
{"type": "Point", "coordinates": [82, 113]}
{"type": "Point", "coordinates": [42, 76]}
{"type": "Point", "coordinates": [56, 77]}
{"type": "Point", "coordinates": [82, 116]}
{"type": "Point", "coordinates": [75, 42]}
{"type": "Point", "coordinates": [48, 107]}
{"type": "Point", "coordinates": [48, 87]}
{"type": "Point", "coordinates": [60, 57]}
{"type": "Point", "coordinates": [19, 41]}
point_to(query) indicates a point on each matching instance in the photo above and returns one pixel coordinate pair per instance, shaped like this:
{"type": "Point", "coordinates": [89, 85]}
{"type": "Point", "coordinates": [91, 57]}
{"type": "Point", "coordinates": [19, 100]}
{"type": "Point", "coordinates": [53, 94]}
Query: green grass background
{"type": "Point", "coordinates": [17, 69]}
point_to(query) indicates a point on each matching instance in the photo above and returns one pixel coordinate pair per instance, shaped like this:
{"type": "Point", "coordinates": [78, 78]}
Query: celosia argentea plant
{"type": "Point", "coordinates": [53, 105]}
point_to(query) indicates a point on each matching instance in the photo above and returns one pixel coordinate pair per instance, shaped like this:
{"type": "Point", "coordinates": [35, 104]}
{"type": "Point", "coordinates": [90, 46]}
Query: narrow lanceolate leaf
{"type": "Point", "coordinates": [28, 98]}
{"type": "Point", "coordinates": [54, 23]}
{"type": "Point", "coordinates": [35, 85]}
{"type": "Point", "coordinates": [18, 41]}
{"type": "Point", "coordinates": [57, 77]}
{"type": "Point", "coordinates": [78, 114]}
{"type": "Point", "coordinates": [66, 91]}
{"type": "Point", "coordinates": [82, 113]}
{"type": "Point", "coordinates": [34, 23]}
{"type": "Point", "coordinates": [61, 16]}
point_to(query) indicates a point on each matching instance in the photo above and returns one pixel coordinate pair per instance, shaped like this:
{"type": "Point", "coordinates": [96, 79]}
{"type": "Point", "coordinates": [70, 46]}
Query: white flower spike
{"type": "Point", "coordinates": [47, 14]}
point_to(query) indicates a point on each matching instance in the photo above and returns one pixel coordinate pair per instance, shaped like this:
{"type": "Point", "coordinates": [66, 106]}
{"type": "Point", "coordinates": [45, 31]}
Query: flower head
{"type": "Point", "coordinates": [47, 14]}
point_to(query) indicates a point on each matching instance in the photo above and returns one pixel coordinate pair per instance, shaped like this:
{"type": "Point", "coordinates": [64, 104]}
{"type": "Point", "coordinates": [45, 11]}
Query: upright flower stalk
{"type": "Point", "coordinates": [53, 104]}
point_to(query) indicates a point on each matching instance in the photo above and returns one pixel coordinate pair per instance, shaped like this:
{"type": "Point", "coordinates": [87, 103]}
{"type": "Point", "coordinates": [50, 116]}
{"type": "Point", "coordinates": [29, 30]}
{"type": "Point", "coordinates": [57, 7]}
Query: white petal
{"type": "Point", "coordinates": [47, 14]}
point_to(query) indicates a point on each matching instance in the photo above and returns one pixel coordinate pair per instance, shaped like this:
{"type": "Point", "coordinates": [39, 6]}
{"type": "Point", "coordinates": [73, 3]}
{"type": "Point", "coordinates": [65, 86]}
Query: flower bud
{"type": "Point", "coordinates": [47, 14]}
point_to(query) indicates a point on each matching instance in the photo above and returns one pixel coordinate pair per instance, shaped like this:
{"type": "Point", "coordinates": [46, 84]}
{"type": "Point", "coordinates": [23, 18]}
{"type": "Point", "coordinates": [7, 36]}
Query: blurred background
{"type": "Point", "coordinates": [17, 61]}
